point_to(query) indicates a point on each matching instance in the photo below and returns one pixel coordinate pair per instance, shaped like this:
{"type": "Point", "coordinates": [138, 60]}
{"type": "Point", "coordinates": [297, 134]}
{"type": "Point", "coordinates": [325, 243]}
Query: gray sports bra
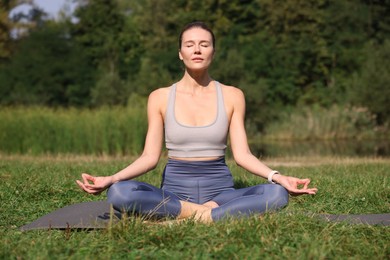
{"type": "Point", "coordinates": [196, 141]}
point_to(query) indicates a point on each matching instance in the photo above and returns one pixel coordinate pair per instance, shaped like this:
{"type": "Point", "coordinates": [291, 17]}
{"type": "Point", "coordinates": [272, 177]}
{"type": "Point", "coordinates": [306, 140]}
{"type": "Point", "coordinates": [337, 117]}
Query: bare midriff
{"type": "Point", "coordinates": [193, 159]}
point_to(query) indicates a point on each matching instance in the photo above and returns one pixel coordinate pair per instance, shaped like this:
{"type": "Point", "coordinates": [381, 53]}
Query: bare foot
{"type": "Point", "coordinates": [211, 204]}
{"type": "Point", "coordinates": [203, 216]}
{"type": "Point", "coordinates": [199, 212]}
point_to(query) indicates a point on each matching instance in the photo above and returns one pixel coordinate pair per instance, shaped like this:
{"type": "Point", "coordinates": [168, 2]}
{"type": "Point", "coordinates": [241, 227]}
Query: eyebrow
{"type": "Point", "coordinates": [192, 41]}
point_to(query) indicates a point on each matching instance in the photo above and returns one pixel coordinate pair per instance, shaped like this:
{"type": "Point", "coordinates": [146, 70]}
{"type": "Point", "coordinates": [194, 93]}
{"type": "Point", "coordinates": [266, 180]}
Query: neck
{"type": "Point", "coordinates": [195, 79]}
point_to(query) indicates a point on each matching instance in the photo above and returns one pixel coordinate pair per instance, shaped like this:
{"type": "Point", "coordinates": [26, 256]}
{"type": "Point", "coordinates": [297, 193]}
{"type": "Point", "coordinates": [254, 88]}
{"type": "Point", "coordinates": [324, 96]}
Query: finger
{"type": "Point", "coordinates": [297, 192]}
{"type": "Point", "coordinates": [311, 191]}
{"type": "Point", "coordinates": [88, 188]}
{"type": "Point", "coordinates": [94, 186]}
{"type": "Point", "coordinates": [306, 185]}
{"type": "Point", "coordinates": [80, 184]}
{"type": "Point", "coordinates": [87, 178]}
{"type": "Point", "coordinates": [304, 182]}
{"type": "Point", "coordinates": [91, 186]}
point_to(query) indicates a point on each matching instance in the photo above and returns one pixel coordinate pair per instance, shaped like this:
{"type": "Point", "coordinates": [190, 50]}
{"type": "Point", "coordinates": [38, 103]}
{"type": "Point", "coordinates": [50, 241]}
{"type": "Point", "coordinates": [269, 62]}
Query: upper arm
{"type": "Point", "coordinates": [238, 137]}
{"type": "Point", "coordinates": [154, 136]}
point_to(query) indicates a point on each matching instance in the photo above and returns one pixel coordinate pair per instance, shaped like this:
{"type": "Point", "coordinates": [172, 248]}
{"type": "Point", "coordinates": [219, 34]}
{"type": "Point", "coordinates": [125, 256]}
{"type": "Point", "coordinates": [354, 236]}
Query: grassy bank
{"type": "Point", "coordinates": [34, 186]}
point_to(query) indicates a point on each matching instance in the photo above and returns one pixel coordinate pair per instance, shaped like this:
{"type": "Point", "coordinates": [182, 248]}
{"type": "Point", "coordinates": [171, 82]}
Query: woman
{"type": "Point", "coordinates": [197, 114]}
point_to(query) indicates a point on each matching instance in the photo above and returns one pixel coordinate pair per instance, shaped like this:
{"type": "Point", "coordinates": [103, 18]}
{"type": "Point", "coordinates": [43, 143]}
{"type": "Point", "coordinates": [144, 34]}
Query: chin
{"type": "Point", "coordinates": [197, 68]}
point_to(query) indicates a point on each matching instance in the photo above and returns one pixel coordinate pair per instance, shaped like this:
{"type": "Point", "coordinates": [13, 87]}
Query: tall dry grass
{"type": "Point", "coordinates": [39, 130]}
{"type": "Point", "coordinates": [121, 130]}
{"type": "Point", "coordinates": [318, 123]}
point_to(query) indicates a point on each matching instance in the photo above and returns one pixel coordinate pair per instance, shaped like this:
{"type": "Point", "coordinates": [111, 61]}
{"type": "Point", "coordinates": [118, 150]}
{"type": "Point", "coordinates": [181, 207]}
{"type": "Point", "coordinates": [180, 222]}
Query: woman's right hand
{"type": "Point", "coordinates": [94, 185]}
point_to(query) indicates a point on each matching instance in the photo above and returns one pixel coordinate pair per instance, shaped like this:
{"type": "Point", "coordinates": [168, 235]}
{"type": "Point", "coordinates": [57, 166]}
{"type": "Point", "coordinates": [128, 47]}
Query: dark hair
{"type": "Point", "coordinates": [196, 24]}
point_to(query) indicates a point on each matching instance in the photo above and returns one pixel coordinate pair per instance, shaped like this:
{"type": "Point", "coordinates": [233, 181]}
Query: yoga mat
{"type": "Point", "coordinates": [96, 215]}
{"type": "Point", "coordinates": [369, 219]}
{"type": "Point", "coordinates": [85, 215]}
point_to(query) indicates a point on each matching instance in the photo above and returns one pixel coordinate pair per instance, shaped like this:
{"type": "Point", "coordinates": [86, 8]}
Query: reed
{"type": "Point", "coordinates": [318, 123]}
{"type": "Point", "coordinates": [40, 130]}
{"type": "Point", "coordinates": [121, 130]}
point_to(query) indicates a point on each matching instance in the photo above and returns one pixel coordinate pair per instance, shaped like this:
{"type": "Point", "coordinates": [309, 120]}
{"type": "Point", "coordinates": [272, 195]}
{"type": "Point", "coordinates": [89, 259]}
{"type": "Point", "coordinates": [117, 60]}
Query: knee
{"type": "Point", "coordinates": [278, 196]}
{"type": "Point", "coordinates": [119, 194]}
{"type": "Point", "coordinates": [115, 195]}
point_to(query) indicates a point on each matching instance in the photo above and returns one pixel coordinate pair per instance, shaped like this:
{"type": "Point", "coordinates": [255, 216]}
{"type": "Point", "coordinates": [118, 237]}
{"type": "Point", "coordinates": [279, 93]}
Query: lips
{"type": "Point", "coordinates": [197, 59]}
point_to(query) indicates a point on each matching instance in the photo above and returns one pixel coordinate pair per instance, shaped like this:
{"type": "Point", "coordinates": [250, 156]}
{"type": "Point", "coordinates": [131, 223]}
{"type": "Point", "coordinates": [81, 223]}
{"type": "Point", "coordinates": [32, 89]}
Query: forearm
{"type": "Point", "coordinates": [140, 166]}
{"type": "Point", "coordinates": [252, 164]}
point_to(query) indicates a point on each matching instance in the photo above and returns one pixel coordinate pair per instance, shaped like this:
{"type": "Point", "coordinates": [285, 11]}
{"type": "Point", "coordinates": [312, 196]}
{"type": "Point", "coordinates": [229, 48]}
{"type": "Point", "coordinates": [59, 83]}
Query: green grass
{"type": "Point", "coordinates": [34, 186]}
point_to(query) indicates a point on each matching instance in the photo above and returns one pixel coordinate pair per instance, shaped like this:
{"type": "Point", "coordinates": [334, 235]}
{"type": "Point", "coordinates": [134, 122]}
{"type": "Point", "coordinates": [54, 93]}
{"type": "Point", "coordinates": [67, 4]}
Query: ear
{"type": "Point", "coordinates": [180, 56]}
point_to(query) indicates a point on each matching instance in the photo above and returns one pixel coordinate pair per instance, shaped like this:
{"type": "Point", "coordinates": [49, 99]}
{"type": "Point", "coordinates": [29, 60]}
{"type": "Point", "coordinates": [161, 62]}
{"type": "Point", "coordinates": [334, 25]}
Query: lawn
{"type": "Point", "coordinates": [33, 186]}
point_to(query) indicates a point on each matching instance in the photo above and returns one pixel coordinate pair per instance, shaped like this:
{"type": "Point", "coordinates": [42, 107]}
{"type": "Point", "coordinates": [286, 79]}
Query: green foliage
{"type": "Point", "coordinates": [371, 85]}
{"type": "Point", "coordinates": [5, 28]}
{"type": "Point", "coordinates": [99, 27]}
{"type": "Point", "coordinates": [151, 76]}
{"type": "Point", "coordinates": [34, 186]}
{"type": "Point", "coordinates": [282, 54]}
{"type": "Point", "coordinates": [108, 38]}
{"type": "Point", "coordinates": [47, 69]}
{"type": "Point", "coordinates": [11, 25]}
{"type": "Point", "coordinates": [111, 44]}
{"type": "Point", "coordinates": [109, 90]}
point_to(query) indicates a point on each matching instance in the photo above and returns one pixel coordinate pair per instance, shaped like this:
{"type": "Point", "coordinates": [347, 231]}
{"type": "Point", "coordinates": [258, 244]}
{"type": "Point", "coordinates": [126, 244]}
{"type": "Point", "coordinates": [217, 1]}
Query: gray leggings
{"type": "Point", "coordinates": [196, 182]}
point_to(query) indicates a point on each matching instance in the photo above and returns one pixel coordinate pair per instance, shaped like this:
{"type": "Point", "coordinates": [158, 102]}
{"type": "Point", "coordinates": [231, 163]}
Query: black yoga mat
{"type": "Point", "coordinates": [96, 214]}
{"type": "Point", "coordinates": [85, 215]}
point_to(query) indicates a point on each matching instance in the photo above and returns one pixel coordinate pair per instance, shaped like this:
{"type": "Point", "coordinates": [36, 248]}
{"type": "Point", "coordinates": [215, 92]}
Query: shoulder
{"type": "Point", "coordinates": [159, 96]}
{"type": "Point", "coordinates": [159, 93]}
{"type": "Point", "coordinates": [232, 93]}
{"type": "Point", "coordinates": [234, 99]}
{"type": "Point", "coordinates": [158, 100]}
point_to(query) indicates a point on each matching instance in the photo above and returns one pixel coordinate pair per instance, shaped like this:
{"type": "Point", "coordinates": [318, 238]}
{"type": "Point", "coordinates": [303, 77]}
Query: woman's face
{"type": "Point", "coordinates": [196, 49]}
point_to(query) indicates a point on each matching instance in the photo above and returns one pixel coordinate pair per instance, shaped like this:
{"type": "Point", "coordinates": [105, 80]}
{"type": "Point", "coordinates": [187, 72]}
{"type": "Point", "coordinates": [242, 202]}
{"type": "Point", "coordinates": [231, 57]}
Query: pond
{"type": "Point", "coordinates": [339, 148]}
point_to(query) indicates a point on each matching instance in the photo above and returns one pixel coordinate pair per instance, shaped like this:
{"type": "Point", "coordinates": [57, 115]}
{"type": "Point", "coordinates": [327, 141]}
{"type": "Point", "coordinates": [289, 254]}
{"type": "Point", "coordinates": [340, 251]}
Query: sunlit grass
{"type": "Point", "coordinates": [34, 186]}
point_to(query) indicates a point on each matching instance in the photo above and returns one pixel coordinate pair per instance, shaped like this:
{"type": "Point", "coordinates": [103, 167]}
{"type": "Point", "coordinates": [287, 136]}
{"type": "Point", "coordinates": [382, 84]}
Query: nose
{"type": "Point", "coordinates": [197, 48]}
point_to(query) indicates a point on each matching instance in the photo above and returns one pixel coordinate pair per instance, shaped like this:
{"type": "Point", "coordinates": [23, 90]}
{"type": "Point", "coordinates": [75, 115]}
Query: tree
{"type": "Point", "coordinates": [371, 85]}
{"type": "Point", "coordinates": [378, 20]}
{"type": "Point", "coordinates": [6, 26]}
{"type": "Point", "coordinates": [109, 40]}
{"type": "Point", "coordinates": [47, 69]}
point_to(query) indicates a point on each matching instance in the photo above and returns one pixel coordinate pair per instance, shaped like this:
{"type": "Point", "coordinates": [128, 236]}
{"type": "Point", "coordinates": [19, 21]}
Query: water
{"type": "Point", "coordinates": [341, 148]}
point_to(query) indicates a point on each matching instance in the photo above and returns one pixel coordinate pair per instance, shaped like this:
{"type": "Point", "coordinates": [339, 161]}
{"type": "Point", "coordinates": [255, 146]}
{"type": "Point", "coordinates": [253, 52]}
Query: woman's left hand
{"type": "Point", "coordinates": [295, 186]}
